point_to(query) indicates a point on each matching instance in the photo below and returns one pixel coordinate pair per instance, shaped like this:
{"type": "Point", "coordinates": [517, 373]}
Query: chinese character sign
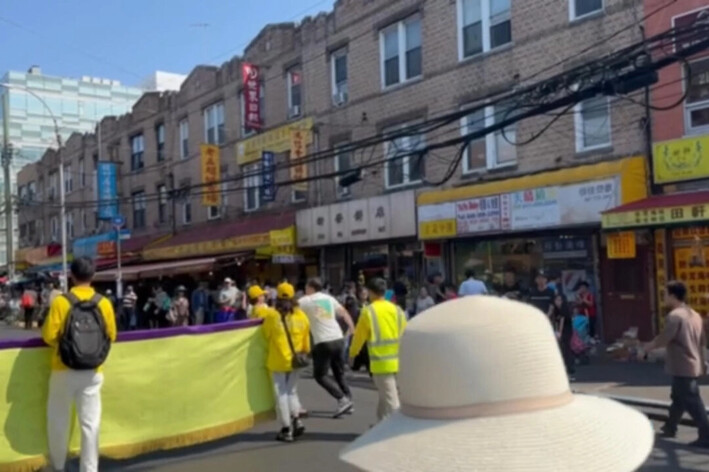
{"type": "Point", "coordinates": [621, 245]}
{"type": "Point", "coordinates": [268, 177]}
{"type": "Point", "coordinates": [106, 173]}
{"type": "Point", "coordinates": [251, 77]}
{"type": "Point", "coordinates": [298, 153]}
{"type": "Point", "coordinates": [211, 174]}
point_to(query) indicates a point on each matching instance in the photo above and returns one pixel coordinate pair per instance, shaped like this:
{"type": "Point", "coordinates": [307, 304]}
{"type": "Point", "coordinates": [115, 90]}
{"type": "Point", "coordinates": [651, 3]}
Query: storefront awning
{"type": "Point", "coordinates": [159, 269]}
{"type": "Point", "coordinates": [221, 238]}
{"type": "Point", "coordinates": [660, 210]}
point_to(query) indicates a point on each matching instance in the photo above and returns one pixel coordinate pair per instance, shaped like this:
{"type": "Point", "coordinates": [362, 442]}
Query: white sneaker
{"type": "Point", "coordinates": [344, 405]}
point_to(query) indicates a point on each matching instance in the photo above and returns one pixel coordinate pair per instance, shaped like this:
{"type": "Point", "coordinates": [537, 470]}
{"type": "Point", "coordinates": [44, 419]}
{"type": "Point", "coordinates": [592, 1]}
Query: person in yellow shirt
{"type": "Point", "coordinates": [381, 325]}
{"type": "Point", "coordinates": [67, 386]}
{"type": "Point", "coordinates": [287, 333]}
{"type": "Point", "coordinates": [257, 303]}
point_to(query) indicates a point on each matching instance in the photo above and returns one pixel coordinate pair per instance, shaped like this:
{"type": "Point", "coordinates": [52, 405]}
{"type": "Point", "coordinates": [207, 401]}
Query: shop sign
{"type": "Point", "coordinates": [621, 245]}
{"type": "Point", "coordinates": [478, 215]}
{"type": "Point", "coordinates": [268, 176]}
{"type": "Point", "coordinates": [367, 219]}
{"type": "Point", "coordinates": [535, 208]}
{"type": "Point", "coordinates": [657, 216]}
{"type": "Point", "coordinates": [437, 221]}
{"type": "Point", "coordinates": [203, 248]}
{"type": "Point", "coordinates": [277, 140]}
{"type": "Point", "coordinates": [298, 154]}
{"type": "Point", "coordinates": [681, 159]}
{"type": "Point", "coordinates": [565, 248]}
{"type": "Point", "coordinates": [660, 273]}
{"type": "Point", "coordinates": [282, 237]}
{"type": "Point", "coordinates": [694, 272]}
{"type": "Point", "coordinates": [103, 245]}
{"type": "Point", "coordinates": [107, 181]}
{"type": "Point", "coordinates": [701, 232]}
{"type": "Point", "coordinates": [437, 229]}
{"type": "Point", "coordinates": [251, 78]}
{"type": "Point", "coordinates": [211, 174]}
{"type": "Point", "coordinates": [585, 202]}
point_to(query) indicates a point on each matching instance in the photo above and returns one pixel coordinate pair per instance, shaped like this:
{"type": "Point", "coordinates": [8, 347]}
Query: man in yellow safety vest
{"type": "Point", "coordinates": [381, 325]}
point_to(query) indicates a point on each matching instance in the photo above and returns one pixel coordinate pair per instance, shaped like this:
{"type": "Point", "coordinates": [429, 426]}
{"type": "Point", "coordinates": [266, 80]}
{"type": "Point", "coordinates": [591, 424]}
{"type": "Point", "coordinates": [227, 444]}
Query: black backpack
{"type": "Point", "coordinates": [84, 345]}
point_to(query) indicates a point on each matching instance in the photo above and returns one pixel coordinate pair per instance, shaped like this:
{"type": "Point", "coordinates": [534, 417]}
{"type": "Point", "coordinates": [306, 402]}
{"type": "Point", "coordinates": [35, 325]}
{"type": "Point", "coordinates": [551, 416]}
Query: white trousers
{"type": "Point", "coordinates": [287, 401]}
{"type": "Point", "coordinates": [82, 389]}
{"type": "Point", "coordinates": [388, 394]}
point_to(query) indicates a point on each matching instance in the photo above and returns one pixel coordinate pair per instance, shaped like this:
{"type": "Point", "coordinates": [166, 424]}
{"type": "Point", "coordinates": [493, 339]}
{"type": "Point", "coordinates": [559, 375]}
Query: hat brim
{"type": "Point", "coordinates": [590, 434]}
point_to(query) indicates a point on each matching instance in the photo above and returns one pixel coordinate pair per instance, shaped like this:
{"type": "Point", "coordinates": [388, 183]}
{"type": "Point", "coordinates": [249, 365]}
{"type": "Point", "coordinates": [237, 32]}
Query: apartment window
{"type": "Point", "coordinates": [593, 124]}
{"type": "Point", "coordinates": [70, 225]}
{"type": "Point", "coordinates": [483, 25]}
{"type": "Point", "coordinates": [242, 107]}
{"type": "Point", "coordinates": [138, 201]}
{"type": "Point", "coordinates": [403, 167]}
{"type": "Point", "coordinates": [580, 8]}
{"type": "Point", "coordinates": [343, 163]}
{"type": "Point", "coordinates": [137, 146]}
{"type": "Point", "coordinates": [84, 222]}
{"type": "Point", "coordinates": [54, 228]}
{"type": "Point", "coordinates": [252, 189]}
{"type": "Point", "coordinates": [697, 103]}
{"type": "Point", "coordinates": [400, 52]}
{"type": "Point", "coordinates": [162, 203]}
{"type": "Point", "coordinates": [295, 86]}
{"type": "Point", "coordinates": [68, 179]}
{"type": "Point", "coordinates": [160, 140]}
{"type": "Point", "coordinates": [338, 66]}
{"type": "Point", "coordinates": [187, 211]}
{"type": "Point", "coordinates": [82, 173]}
{"type": "Point", "coordinates": [214, 132]}
{"type": "Point", "coordinates": [184, 139]}
{"type": "Point", "coordinates": [32, 191]}
{"type": "Point", "coordinates": [493, 150]}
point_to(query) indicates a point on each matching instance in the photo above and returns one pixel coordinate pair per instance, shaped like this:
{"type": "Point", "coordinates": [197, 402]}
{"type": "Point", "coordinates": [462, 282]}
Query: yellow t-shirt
{"type": "Point", "coordinates": [280, 356]}
{"type": "Point", "coordinates": [261, 311]}
{"type": "Point", "coordinates": [56, 319]}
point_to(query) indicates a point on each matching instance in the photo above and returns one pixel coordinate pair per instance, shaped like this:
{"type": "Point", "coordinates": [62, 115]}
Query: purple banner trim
{"type": "Point", "coordinates": [129, 336]}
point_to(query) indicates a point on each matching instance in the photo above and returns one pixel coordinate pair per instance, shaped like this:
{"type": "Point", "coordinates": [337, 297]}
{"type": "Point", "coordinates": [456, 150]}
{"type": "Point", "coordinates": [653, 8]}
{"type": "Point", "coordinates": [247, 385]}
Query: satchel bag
{"type": "Point", "coordinates": [300, 360]}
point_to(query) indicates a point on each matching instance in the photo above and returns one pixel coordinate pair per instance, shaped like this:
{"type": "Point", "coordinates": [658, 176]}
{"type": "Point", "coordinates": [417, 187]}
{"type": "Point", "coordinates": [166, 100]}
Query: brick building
{"type": "Point", "coordinates": [364, 69]}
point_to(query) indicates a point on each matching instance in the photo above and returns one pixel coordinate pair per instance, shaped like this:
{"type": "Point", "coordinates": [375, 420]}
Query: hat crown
{"type": "Point", "coordinates": [479, 350]}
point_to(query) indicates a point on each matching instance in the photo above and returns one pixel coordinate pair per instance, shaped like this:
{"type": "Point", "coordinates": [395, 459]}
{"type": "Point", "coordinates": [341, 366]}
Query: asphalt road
{"type": "Point", "coordinates": [325, 437]}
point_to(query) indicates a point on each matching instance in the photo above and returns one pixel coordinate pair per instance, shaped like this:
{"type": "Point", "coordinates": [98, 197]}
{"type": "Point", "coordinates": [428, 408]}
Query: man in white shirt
{"type": "Point", "coordinates": [328, 342]}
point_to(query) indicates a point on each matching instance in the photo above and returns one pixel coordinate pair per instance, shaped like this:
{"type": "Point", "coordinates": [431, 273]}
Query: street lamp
{"type": "Point", "coordinates": [62, 202]}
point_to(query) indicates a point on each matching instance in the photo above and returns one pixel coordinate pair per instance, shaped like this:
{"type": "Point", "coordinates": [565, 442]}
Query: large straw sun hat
{"type": "Point", "coordinates": [483, 388]}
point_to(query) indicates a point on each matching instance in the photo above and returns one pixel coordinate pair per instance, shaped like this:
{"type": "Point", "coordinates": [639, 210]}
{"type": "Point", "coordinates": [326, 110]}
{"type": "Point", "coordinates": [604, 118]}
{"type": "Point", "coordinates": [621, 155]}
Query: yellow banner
{"type": "Point", "coordinates": [206, 248]}
{"type": "Point", "coordinates": [437, 229]}
{"type": "Point", "coordinates": [693, 269]}
{"type": "Point", "coordinates": [211, 175]}
{"type": "Point", "coordinates": [657, 216]}
{"type": "Point", "coordinates": [660, 275]}
{"type": "Point", "coordinates": [681, 159]}
{"type": "Point", "coordinates": [277, 140]}
{"type": "Point", "coordinates": [222, 388]}
{"type": "Point", "coordinates": [701, 232]}
{"type": "Point", "coordinates": [621, 245]}
{"type": "Point", "coordinates": [298, 157]}
{"type": "Point", "coordinates": [282, 237]}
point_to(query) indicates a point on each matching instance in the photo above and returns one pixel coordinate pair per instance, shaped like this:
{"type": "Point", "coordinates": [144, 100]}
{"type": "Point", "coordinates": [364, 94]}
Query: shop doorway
{"type": "Point", "coordinates": [626, 295]}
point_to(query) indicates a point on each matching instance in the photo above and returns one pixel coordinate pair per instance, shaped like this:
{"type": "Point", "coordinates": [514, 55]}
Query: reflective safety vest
{"type": "Point", "coordinates": [383, 343]}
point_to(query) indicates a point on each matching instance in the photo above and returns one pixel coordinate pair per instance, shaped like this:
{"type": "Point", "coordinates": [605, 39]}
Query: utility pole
{"type": "Point", "coordinates": [6, 166]}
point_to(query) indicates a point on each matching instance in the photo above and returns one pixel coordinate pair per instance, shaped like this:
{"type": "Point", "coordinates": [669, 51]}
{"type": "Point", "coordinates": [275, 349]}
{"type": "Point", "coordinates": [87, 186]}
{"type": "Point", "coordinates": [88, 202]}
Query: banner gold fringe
{"type": "Point", "coordinates": [162, 444]}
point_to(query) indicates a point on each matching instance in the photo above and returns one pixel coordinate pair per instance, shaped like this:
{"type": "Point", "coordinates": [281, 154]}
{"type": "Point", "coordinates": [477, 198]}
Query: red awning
{"type": "Point", "coordinates": [144, 271]}
{"type": "Point", "coordinates": [660, 210]}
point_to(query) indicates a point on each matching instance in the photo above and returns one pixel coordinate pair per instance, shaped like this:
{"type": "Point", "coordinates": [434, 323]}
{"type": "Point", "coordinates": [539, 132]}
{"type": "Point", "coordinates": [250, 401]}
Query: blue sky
{"type": "Point", "coordinates": [129, 39]}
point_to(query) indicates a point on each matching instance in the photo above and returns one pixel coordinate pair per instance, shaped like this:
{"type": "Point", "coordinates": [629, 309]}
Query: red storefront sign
{"type": "Point", "coordinates": [251, 76]}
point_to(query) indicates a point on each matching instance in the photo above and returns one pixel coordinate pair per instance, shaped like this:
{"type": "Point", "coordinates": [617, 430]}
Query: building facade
{"type": "Point", "coordinates": [369, 70]}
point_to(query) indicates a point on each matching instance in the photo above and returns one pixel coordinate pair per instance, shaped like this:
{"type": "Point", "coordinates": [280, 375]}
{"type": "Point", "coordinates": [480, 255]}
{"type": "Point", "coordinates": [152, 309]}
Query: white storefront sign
{"type": "Point", "coordinates": [536, 208]}
{"type": "Point", "coordinates": [478, 215]}
{"type": "Point", "coordinates": [369, 219]}
{"type": "Point", "coordinates": [585, 202]}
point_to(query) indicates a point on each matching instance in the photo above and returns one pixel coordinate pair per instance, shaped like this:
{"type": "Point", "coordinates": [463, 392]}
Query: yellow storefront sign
{"type": "Point", "coordinates": [277, 140]}
{"type": "Point", "coordinates": [681, 159]}
{"type": "Point", "coordinates": [621, 245]}
{"type": "Point", "coordinates": [282, 237]}
{"type": "Point", "coordinates": [657, 216]}
{"type": "Point", "coordinates": [211, 175]}
{"type": "Point", "coordinates": [437, 229]}
{"type": "Point", "coordinates": [205, 248]}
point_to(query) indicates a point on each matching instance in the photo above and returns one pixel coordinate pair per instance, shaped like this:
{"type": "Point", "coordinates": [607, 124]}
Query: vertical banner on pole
{"type": "Point", "coordinates": [268, 177]}
{"type": "Point", "coordinates": [251, 78]}
{"type": "Point", "coordinates": [298, 152]}
{"type": "Point", "coordinates": [107, 185]}
{"type": "Point", "coordinates": [211, 173]}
